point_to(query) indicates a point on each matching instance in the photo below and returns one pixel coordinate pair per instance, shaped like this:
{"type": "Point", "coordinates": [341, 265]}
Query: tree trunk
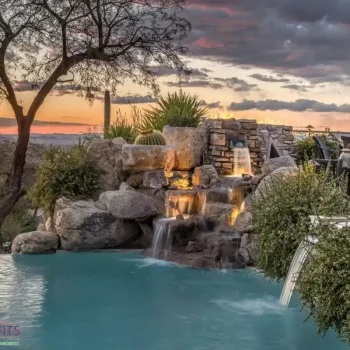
{"type": "Point", "coordinates": [15, 191]}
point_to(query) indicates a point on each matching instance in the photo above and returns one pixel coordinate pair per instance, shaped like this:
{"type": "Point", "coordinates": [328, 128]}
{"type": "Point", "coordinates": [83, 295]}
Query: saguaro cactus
{"type": "Point", "coordinates": [107, 117]}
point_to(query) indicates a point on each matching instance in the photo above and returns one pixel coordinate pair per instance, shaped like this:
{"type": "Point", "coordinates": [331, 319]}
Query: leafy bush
{"type": "Point", "coordinates": [177, 109]}
{"type": "Point", "coordinates": [121, 128]}
{"type": "Point", "coordinates": [18, 221]}
{"type": "Point", "coordinates": [305, 150]}
{"type": "Point", "coordinates": [324, 282]}
{"type": "Point", "coordinates": [281, 214]}
{"type": "Point", "coordinates": [64, 173]}
{"type": "Point", "coordinates": [308, 150]}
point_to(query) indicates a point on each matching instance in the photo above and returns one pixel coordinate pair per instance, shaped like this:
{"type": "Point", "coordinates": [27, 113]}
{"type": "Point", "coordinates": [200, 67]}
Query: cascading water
{"type": "Point", "coordinates": [242, 163]}
{"type": "Point", "coordinates": [293, 272]}
{"type": "Point", "coordinates": [162, 237]}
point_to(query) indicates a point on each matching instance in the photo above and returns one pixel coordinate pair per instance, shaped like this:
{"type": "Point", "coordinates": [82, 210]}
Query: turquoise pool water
{"type": "Point", "coordinates": [119, 301]}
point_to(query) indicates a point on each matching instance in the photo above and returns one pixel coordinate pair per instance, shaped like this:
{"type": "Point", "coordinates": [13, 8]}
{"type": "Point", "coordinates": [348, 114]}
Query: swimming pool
{"type": "Point", "coordinates": [106, 301]}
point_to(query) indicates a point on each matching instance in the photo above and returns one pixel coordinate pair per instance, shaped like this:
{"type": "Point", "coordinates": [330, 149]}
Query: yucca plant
{"type": "Point", "coordinates": [176, 109]}
{"type": "Point", "coordinates": [121, 128]}
{"type": "Point", "coordinates": [147, 120]}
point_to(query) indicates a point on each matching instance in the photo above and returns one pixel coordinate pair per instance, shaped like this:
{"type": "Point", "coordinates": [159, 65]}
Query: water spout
{"type": "Point", "coordinates": [293, 272]}
{"type": "Point", "coordinates": [242, 162]}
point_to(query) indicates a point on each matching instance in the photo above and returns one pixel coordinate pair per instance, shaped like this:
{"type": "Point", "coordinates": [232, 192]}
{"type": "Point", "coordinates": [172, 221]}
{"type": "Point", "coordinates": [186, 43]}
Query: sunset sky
{"type": "Point", "coordinates": [279, 61]}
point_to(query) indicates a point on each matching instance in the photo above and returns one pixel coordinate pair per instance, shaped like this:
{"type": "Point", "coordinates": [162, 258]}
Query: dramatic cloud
{"type": "Point", "coordinates": [211, 105]}
{"type": "Point", "coordinates": [301, 88]}
{"type": "Point", "coordinates": [301, 105]}
{"type": "Point", "coordinates": [286, 36]}
{"type": "Point", "coordinates": [195, 83]}
{"type": "Point", "coordinates": [236, 84]}
{"type": "Point", "coordinates": [269, 79]}
{"type": "Point", "coordinates": [132, 99]}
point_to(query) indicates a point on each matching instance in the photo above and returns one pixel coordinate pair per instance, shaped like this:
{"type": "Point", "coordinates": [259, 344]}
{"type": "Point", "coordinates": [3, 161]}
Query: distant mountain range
{"type": "Point", "coordinates": [47, 139]}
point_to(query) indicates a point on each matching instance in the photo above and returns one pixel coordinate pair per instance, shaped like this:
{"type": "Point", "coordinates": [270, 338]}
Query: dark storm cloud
{"type": "Point", "coordinates": [300, 105]}
{"type": "Point", "coordinates": [286, 36]}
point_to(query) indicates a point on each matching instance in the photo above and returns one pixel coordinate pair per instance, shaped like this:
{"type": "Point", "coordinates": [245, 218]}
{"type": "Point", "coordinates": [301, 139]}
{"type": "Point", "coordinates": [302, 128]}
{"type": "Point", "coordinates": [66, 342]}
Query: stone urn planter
{"type": "Point", "coordinates": [189, 143]}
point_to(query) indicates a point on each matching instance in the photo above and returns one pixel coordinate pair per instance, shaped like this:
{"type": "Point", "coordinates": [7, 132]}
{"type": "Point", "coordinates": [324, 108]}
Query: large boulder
{"type": "Point", "coordinates": [205, 176]}
{"type": "Point", "coordinates": [138, 158]}
{"type": "Point", "coordinates": [189, 144]}
{"type": "Point", "coordinates": [267, 182]}
{"type": "Point", "coordinates": [244, 222]}
{"type": "Point", "coordinates": [218, 213]}
{"type": "Point", "coordinates": [273, 164]}
{"type": "Point", "coordinates": [247, 253]}
{"type": "Point", "coordinates": [154, 179]}
{"type": "Point", "coordinates": [107, 157]}
{"type": "Point", "coordinates": [129, 205]}
{"type": "Point", "coordinates": [37, 242]}
{"type": "Point", "coordinates": [85, 225]}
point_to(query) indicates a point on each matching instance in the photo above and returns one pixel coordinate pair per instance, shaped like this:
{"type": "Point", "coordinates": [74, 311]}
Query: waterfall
{"type": "Point", "coordinates": [293, 272]}
{"type": "Point", "coordinates": [242, 163]}
{"type": "Point", "coordinates": [162, 237]}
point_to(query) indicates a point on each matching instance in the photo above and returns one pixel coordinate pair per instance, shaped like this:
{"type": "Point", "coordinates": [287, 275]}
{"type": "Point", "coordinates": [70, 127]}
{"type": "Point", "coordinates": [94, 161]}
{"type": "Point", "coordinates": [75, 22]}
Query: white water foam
{"type": "Point", "coordinates": [257, 307]}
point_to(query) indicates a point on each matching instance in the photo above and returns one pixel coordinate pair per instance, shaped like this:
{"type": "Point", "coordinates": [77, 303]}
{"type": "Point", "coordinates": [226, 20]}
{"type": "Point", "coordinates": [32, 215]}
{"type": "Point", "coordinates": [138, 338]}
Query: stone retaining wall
{"type": "Point", "coordinates": [220, 132]}
{"type": "Point", "coordinates": [256, 136]}
{"type": "Point", "coordinates": [281, 136]}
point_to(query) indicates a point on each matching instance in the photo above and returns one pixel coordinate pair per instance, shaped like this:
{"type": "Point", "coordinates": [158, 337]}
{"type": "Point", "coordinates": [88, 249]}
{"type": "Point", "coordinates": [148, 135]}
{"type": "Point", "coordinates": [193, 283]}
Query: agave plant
{"type": "Point", "coordinates": [176, 109]}
{"type": "Point", "coordinates": [146, 120]}
{"type": "Point", "coordinates": [121, 128]}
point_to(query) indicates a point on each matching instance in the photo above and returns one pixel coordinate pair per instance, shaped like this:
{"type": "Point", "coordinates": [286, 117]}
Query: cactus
{"type": "Point", "coordinates": [107, 118]}
{"type": "Point", "coordinates": [150, 137]}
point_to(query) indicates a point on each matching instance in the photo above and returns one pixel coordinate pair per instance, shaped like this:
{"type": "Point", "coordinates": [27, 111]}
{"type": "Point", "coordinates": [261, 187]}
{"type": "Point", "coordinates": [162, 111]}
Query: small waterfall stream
{"type": "Point", "coordinates": [293, 272]}
{"type": "Point", "coordinates": [161, 238]}
{"type": "Point", "coordinates": [242, 162]}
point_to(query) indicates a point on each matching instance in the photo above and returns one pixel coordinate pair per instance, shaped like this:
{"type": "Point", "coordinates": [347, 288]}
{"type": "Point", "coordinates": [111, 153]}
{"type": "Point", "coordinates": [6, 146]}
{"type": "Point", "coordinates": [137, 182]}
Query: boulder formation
{"type": "Point", "coordinates": [37, 242]}
{"type": "Point", "coordinates": [189, 143]}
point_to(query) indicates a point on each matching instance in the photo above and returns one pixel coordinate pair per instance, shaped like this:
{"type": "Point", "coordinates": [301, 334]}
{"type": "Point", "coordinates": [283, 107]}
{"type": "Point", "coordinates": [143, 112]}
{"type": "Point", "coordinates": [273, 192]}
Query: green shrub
{"type": "Point", "coordinates": [324, 282]}
{"type": "Point", "coordinates": [308, 150]}
{"type": "Point", "coordinates": [121, 128]}
{"type": "Point", "coordinates": [150, 137]}
{"type": "Point", "coordinates": [305, 150]}
{"type": "Point", "coordinates": [147, 120]}
{"type": "Point", "coordinates": [176, 109]}
{"type": "Point", "coordinates": [18, 221]}
{"type": "Point", "coordinates": [63, 173]}
{"type": "Point", "coordinates": [281, 214]}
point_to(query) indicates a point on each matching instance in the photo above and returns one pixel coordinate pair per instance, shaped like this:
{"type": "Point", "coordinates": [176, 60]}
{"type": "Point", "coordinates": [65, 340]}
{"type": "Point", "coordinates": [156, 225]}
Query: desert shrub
{"type": "Point", "coordinates": [324, 283]}
{"type": "Point", "coordinates": [176, 109]}
{"type": "Point", "coordinates": [18, 221]}
{"type": "Point", "coordinates": [281, 214]}
{"type": "Point", "coordinates": [147, 120]}
{"type": "Point", "coordinates": [65, 173]}
{"type": "Point", "coordinates": [305, 150]}
{"type": "Point", "coordinates": [121, 128]}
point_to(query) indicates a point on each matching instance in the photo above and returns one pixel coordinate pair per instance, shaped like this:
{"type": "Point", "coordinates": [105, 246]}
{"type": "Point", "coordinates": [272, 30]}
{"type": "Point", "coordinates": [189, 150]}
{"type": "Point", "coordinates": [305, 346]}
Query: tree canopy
{"type": "Point", "coordinates": [86, 44]}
